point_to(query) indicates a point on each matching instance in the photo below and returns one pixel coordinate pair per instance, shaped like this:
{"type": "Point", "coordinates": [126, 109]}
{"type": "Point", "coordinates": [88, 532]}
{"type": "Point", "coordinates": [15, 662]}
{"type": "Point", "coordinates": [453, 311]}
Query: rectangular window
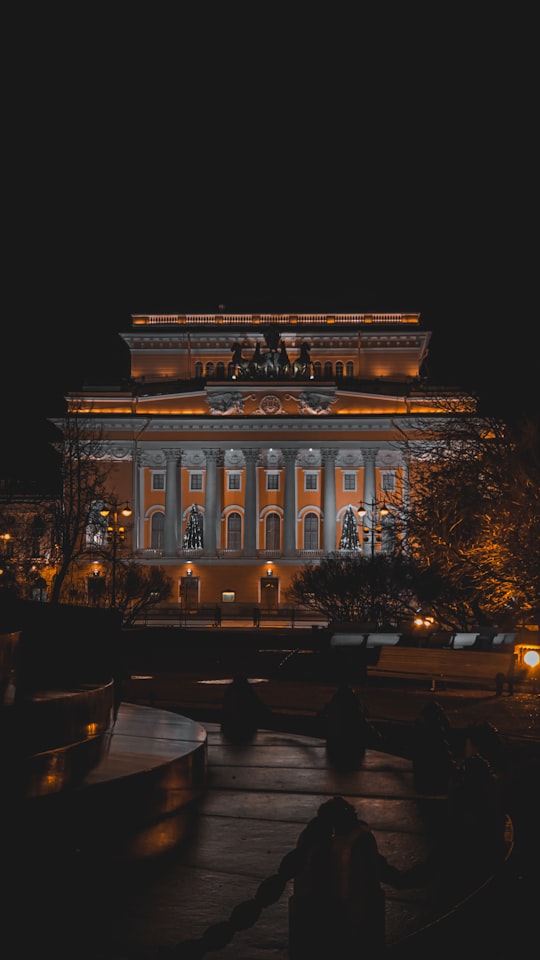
{"type": "Point", "coordinates": [311, 481]}
{"type": "Point", "coordinates": [388, 481]}
{"type": "Point", "coordinates": [272, 481]}
{"type": "Point", "coordinates": [349, 482]}
{"type": "Point", "coordinates": [158, 481]}
{"type": "Point", "coordinates": [235, 481]}
{"type": "Point", "coordinates": [196, 481]}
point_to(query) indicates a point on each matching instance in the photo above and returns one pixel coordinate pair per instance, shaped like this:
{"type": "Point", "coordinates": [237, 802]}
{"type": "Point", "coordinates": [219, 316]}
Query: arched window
{"type": "Point", "coordinates": [317, 370]}
{"type": "Point", "coordinates": [328, 375]}
{"type": "Point", "coordinates": [311, 531]}
{"type": "Point", "coordinates": [198, 369]}
{"type": "Point", "coordinates": [37, 532]}
{"type": "Point", "coordinates": [158, 524]}
{"type": "Point", "coordinates": [234, 531]}
{"type": "Point", "coordinates": [210, 369]}
{"type": "Point", "coordinates": [220, 370]}
{"type": "Point", "coordinates": [273, 524]}
{"type": "Point", "coordinates": [350, 368]}
{"type": "Point", "coordinates": [339, 369]}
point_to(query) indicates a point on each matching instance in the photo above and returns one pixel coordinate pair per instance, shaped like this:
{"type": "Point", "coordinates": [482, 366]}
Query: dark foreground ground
{"type": "Point", "coordinates": [289, 685]}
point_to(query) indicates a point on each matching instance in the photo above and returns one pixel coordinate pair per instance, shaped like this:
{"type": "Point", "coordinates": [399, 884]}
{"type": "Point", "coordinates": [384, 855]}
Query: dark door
{"type": "Point", "coordinates": [269, 594]}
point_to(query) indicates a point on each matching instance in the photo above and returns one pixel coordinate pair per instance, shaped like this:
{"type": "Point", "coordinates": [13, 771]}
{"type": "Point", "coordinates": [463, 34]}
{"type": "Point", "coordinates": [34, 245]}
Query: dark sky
{"type": "Point", "coordinates": [170, 165]}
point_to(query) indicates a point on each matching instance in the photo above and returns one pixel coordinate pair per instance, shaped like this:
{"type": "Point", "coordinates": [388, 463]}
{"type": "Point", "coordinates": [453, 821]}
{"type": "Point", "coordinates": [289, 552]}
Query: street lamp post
{"type": "Point", "coordinates": [116, 533]}
{"type": "Point", "coordinates": [372, 532]}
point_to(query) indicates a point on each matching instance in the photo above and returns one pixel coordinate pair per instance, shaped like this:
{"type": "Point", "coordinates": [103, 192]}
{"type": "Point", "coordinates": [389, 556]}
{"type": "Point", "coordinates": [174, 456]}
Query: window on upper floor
{"type": "Point", "coordinates": [311, 531]}
{"type": "Point", "coordinates": [273, 530]}
{"type": "Point", "coordinates": [96, 528]}
{"type": "Point", "coordinates": [311, 481]}
{"type": "Point", "coordinates": [158, 526]}
{"type": "Point", "coordinates": [234, 480]}
{"type": "Point", "coordinates": [272, 481]}
{"type": "Point", "coordinates": [388, 481]}
{"type": "Point", "coordinates": [349, 482]}
{"type": "Point", "coordinates": [37, 532]}
{"type": "Point", "coordinates": [196, 481]}
{"type": "Point", "coordinates": [158, 481]}
{"type": "Point", "coordinates": [234, 531]}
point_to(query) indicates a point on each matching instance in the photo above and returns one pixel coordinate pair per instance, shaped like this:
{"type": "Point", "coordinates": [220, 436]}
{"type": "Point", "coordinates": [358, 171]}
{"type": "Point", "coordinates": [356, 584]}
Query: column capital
{"type": "Point", "coordinates": [289, 456]}
{"type": "Point", "coordinates": [369, 455]}
{"type": "Point", "coordinates": [213, 453]}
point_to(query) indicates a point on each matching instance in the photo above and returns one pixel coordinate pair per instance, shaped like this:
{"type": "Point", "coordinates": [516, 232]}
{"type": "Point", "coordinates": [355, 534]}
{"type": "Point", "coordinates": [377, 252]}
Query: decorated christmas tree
{"type": "Point", "coordinates": [193, 537]}
{"type": "Point", "coordinates": [349, 534]}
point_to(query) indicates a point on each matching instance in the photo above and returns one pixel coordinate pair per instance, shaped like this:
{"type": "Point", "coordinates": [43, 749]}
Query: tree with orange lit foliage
{"type": "Point", "coordinates": [474, 519]}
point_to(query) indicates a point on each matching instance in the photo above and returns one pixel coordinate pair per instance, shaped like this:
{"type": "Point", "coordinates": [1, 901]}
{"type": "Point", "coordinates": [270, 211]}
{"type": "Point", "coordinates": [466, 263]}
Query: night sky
{"type": "Point", "coordinates": [168, 167]}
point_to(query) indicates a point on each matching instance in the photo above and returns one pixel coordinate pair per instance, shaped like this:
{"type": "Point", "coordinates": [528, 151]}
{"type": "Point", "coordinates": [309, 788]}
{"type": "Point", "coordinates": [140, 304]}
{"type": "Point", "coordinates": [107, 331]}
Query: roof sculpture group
{"type": "Point", "coordinates": [273, 364]}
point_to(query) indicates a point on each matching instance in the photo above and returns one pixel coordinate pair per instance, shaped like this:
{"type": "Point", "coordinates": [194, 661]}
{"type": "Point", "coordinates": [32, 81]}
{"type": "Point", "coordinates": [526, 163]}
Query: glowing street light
{"type": "Point", "coordinates": [372, 530]}
{"type": "Point", "coordinates": [116, 533]}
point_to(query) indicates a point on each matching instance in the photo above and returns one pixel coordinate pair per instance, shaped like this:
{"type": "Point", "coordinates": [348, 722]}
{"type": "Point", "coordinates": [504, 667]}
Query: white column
{"type": "Point", "coordinates": [138, 525]}
{"type": "Point", "coordinates": [369, 520]}
{"type": "Point", "coordinates": [250, 503]}
{"type": "Point", "coordinates": [329, 500]}
{"type": "Point", "coordinates": [289, 503]}
{"type": "Point", "coordinates": [211, 513]}
{"type": "Point", "coordinates": [170, 537]}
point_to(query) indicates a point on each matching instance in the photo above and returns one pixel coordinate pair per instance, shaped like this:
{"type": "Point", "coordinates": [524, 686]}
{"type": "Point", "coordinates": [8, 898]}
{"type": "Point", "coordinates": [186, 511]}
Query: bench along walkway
{"type": "Point", "coordinates": [445, 666]}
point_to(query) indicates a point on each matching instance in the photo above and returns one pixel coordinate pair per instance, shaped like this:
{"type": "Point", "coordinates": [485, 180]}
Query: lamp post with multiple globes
{"type": "Point", "coordinates": [371, 517]}
{"type": "Point", "coordinates": [116, 533]}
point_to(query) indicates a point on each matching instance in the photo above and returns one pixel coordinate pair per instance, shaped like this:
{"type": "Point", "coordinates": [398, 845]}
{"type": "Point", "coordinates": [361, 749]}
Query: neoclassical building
{"type": "Point", "coordinates": [246, 444]}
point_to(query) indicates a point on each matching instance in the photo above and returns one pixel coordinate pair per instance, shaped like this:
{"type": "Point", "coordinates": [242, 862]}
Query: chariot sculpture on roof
{"type": "Point", "coordinates": [273, 364]}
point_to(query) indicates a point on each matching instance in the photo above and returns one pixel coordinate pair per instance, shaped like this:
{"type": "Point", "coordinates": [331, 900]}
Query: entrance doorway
{"type": "Point", "coordinates": [189, 595]}
{"type": "Point", "coordinates": [269, 594]}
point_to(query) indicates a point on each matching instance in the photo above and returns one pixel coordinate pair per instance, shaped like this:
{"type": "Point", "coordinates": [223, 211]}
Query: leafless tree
{"type": "Point", "coordinates": [85, 480]}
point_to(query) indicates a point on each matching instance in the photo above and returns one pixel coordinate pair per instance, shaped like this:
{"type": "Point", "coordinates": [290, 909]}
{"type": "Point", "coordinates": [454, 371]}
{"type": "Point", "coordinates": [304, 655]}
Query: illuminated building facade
{"type": "Point", "coordinates": [246, 443]}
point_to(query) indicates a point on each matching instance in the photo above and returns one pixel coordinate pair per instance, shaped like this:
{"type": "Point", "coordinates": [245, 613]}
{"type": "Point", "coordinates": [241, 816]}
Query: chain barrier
{"type": "Point", "coordinates": [247, 913]}
{"type": "Point", "coordinates": [335, 817]}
